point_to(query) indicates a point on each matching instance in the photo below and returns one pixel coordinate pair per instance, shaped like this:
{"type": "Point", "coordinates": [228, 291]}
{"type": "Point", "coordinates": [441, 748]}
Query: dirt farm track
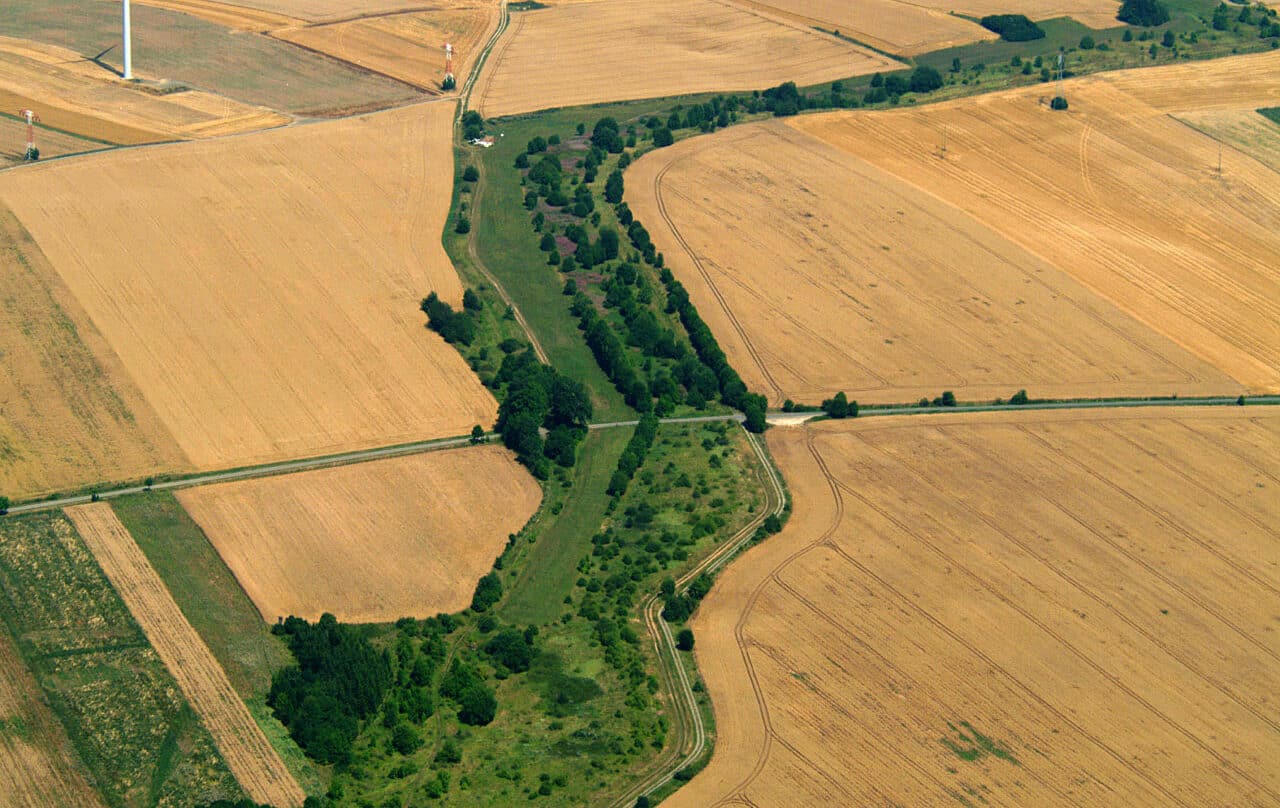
{"type": "Point", "coordinates": [1005, 609]}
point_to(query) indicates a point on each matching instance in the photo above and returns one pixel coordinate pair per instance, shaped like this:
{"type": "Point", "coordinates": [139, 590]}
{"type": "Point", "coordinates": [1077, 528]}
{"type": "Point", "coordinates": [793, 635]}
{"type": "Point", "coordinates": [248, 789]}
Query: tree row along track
{"type": "Point", "coordinates": [688, 728]}
{"type": "Point", "coordinates": [248, 753]}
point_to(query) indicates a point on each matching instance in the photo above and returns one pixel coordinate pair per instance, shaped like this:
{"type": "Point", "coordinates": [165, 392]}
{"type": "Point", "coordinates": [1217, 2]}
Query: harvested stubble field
{"type": "Point", "coordinates": [369, 543]}
{"type": "Point", "coordinates": [1007, 608]}
{"type": "Point", "coordinates": [407, 46]}
{"type": "Point", "coordinates": [311, 10]}
{"type": "Point", "coordinates": [1117, 193]}
{"type": "Point", "coordinates": [1241, 130]}
{"type": "Point", "coordinates": [889, 25]}
{"type": "Point", "coordinates": [819, 272]}
{"type": "Point", "coordinates": [69, 414]}
{"type": "Point", "coordinates": [13, 140]}
{"type": "Point", "coordinates": [226, 62]}
{"type": "Point", "coordinates": [251, 758]}
{"type": "Point", "coordinates": [38, 768]}
{"type": "Point", "coordinates": [611, 50]}
{"type": "Point", "coordinates": [76, 95]}
{"type": "Point", "coordinates": [1095, 252]}
{"type": "Point", "coordinates": [277, 274]}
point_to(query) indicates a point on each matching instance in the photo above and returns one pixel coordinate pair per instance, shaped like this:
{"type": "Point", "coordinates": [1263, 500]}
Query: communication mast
{"type": "Point", "coordinates": [32, 153]}
{"type": "Point", "coordinates": [448, 63]}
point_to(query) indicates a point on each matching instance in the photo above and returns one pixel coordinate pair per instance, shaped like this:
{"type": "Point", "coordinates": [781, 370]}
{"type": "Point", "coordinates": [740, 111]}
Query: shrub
{"type": "Point", "coordinates": [1086, 42]}
{"type": "Point", "coordinates": [450, 753]}
{"type": "Point", "coordinates": [510, 649]}
{"type": "Point", "coordinates": [488, 591]}
{"type": "Point", "coordinates": [839, 406]}
{"type": "Point", "coordinates": [1019, 397]}
{"type": "Point", "coordinates": [1013, 27]}
{"type": "Point", "coordinates": [663, 137]}
{"type": "Point", "coordinates": [404, 740]}
{"type": "Point", "coordinates": [4, 505]}
{"type": "Point", "coordinates": [463, 226]}
{"type": "Point", "coordinates": [1146, 13]}
{"type": "Point", "coordinates": [925, 79]}
{"type": "Point", "coordinates": [1058, 102]}
{"type": "Point", "coordinates": [536, 145]}
{"type": "Point", "coordinates": [684, 639]}
{"type": "Point", "coordinates": [471, 174]}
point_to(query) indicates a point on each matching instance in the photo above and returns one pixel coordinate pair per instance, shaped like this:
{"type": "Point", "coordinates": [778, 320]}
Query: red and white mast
{"type": "Point", "coordinates": [448, 61]}
{"type": "Point", "coordinates": [31, 117]}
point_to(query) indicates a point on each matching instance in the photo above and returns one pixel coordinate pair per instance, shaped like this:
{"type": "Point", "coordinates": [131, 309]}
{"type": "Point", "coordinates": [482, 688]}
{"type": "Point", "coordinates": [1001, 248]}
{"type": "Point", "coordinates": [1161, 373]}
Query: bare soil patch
{"type": "Point", "coordinates": [613, 50]}
{"type": "Point", "coordinates": [248, 753]}
{"type": "Point", "coordinates": [262, 293]}
{"type": "Point", "coordinates": [1006, 608]}
{"type": "Point", "coordinates": [819, 272]}
{"type": "Point", "coordinates": [369, 543]}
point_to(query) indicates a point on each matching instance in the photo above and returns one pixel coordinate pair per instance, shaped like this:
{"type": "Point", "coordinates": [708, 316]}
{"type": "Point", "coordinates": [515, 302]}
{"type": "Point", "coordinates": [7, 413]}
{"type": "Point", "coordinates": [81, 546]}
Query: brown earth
{"type": "Point", "coordinates": [407, 46]}
{"type": "Point", "coordinates": [254, 762]}
{"type": "Point", "coordinates": [613, 50]}
{"type": "Point", "coordinates": [69, 414]}
{"type": "Point", "coordinates": [261, 291]}
{"type": "Point", "coordinates": [1007, 609]}
{"type": "Point", "coordinates": [819, 272]}
{"type": "Point", "coordinates": [38, 767]}
{"type": "Point", "coordinates": [73, 94]}
{"type": "Point", "coordinates": [985, 245]}
{"type": "Point", "coordinates": [369, 543]}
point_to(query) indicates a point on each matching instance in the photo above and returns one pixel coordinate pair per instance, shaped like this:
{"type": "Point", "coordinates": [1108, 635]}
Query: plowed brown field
{"type": "Point", "coordinates": [38, 768]}
{"type": "Point", "coordinates": [1005, 609]}
{"type": "Point", "coordinates": [249, 755]}
{"type": "Point", "coordinates": [408, 46]}
{"type": "Point", "coordinates": [262, 291]}
{"type": "Point", "coordinates": [613, 50]}
{"type": "Point", "coordinates": [1026, 251]}
{"type": "Point", "coordinates": [69, 414]}
{"type": "Point", "coordinates": [371, 542]}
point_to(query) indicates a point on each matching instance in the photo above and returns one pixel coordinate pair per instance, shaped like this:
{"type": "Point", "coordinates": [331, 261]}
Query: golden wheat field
{"type": "Point", "coordinates": [819, 272]}
{"type": "Point", "coordinates": [613, 50]}
{"type": "Point", "coordinates": [407, 46]}
{"type": "Point", "coordinates": [1242, 133]}
{"type": "Point", "coordinates": [261, 291]}
{"type": "Point", "coordinates": [71, 93]}
{"type": "Point", "coordinates": [13, 139]}
{"type": "Point", "coordinates": [38, 767]}
{"type": "Point", "coordinates": [890, 25]}
{"type": "Point", "coordinates": [985, 245]}
{"type": "Point", "coordinates": [69, 413]}
{"type": "Point", "coordinates": [369, 543]}
{"type": "Point", "coordinates": [248, 753]}
{"type": "Point", "coordinates": [239, 17]}
{"type": "Point", "coordinates": [1005, 609]}
{"type": "Point", "coordinates": [316, 10]}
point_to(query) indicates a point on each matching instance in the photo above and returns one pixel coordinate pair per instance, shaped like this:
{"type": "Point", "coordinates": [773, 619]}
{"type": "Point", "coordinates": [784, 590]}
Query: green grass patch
{"type": "Point", "coordinates": [218, 609]}
{"type": "Point", "coordinates": [970, 745]}
{"type": "Point", "coordinates": [120, 706]}
{"type": "Point", "coordinates": [560, 534]}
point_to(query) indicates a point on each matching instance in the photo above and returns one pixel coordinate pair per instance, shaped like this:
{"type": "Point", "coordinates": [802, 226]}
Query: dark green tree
{"type": "Point", "coordinates": [684, 639]}
{"type": "Point", "coordinates": [1146, 13]}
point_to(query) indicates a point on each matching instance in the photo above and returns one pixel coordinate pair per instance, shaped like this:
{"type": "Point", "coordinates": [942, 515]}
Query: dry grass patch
{"type": "Point", "coordinates": [1117, 193]}
{"type": "Point", "coordinates": [38, 768]}
{"type": "Point", "coordinates": [262, 291]}
{"type": "Point", "coordinates": [69, 414]}
{"type": "Point", "coordinates": [369, 543]}
{"type": "Point", "coordinates": [1012, 609]}
{"type": "Point", "coordinates": [613, 50]}
{"type": "Point", "coordinates": [819, 272]}
{"type": "Point", "coordinates": [73, 94]}
{"type": "Point", "coordinates": [251, 758]}
{"type": "Point", "coordinates": [408, 46]}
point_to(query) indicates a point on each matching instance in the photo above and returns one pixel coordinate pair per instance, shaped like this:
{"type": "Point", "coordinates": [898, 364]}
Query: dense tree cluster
{"type": "Point", "coordinates": [633, 455]}
{"type": "Point", "coordinates": [538, 397]}
{"type": "Point", "coordinates": [1012, 27]}
{"type": "Point", "coordinates": [1146, 13]}
{"type": "Point", "coordinates": [839, 406]}
{"type": "Point", "coordinates": [339, 679]}
{"type": "Point", "coordinates": [454, 326]}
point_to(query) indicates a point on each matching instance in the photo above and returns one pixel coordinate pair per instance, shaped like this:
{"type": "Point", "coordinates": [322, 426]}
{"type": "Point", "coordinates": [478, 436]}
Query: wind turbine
{"type": "Point", "coordinates": [127, 73]}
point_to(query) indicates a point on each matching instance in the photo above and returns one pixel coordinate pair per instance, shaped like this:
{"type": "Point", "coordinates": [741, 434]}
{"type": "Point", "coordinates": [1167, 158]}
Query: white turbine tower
{"type": "Point", "coordinates": [128, 41]}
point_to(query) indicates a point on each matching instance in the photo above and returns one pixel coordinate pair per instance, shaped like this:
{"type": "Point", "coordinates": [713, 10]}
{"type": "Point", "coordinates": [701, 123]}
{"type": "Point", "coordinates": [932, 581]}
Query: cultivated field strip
{"type": "Point", "coordinates": [614, 50]}
{"type": "Point", "coordinates": [1033, 609]}
{"type": "Point", "coordinates": [905, 28]}
{"type": "Point", "coordinates": [1118, 194]}
{"type": "Point", "coordinates": [757, 224]}
{"type": "Point", "coordinates": [278, 274]}
{"type": "Point", "coordinates": [251, 758]}
{"type": "Point", "coordinates": [372, 542]}
{"type": "Point", "coordinates": [38, 768]}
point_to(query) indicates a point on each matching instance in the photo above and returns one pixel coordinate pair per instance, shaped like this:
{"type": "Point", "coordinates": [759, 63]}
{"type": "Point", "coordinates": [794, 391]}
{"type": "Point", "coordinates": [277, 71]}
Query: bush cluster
{"type": "Point", "coordinates": [1012, 27]}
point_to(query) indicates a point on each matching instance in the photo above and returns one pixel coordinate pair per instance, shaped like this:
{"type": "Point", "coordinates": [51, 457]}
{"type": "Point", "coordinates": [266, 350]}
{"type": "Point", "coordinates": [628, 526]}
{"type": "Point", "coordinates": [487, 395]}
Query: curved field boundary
{"type": "Point", "coordinates": [251, 758]}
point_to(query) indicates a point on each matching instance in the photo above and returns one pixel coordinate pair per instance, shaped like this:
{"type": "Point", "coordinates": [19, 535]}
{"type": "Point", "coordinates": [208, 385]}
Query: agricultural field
{"type": "Point", "coordinates": [276, 273]}
{"type": "Point", "coordinates": [135, 733]}
{"type": "Point", "coordinates": [888, 25]}
{"type": "Point", "coordinates": [38, 767]}
{"type": "Point", "coordinates": [69, 414]}
{"type": "Point", "coordinates": [237, 67]}
{"type": "Point", "coordinates": [407, 46]}
{"type": "Point", "coordinates": [372, 542]}
{"type": "Point", "coordinates": [997, 246]}
{"type": "Point", "coordinates": [51, 142]}
{"type": "Point", "coordinates": [1117, 193]}
{"type": "Point", "coordinates": [585, 53]}
{"type": "Point", "coordinates": [1005, 609]}
{"type": "Point", "coordinates": [248, 753]}
{"type": "Point", "coordinates": [1239, 130]}
{"type": "Point", "coordinates": [840, 276]}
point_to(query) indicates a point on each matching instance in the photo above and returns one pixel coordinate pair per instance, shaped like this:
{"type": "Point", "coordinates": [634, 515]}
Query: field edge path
{"type": "Point", "coordinates": [254, 762]}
